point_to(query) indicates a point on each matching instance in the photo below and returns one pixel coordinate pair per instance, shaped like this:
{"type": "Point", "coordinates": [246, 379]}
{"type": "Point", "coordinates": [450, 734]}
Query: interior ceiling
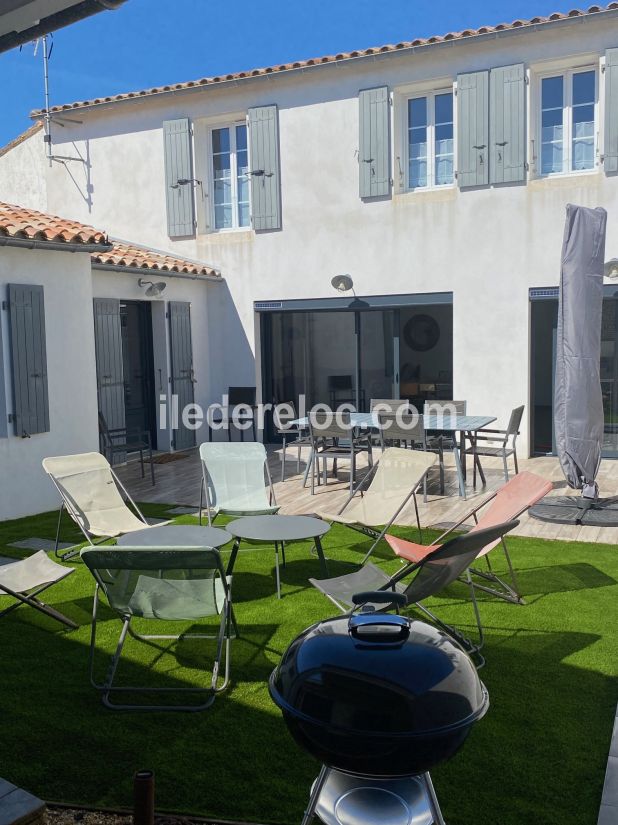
{"type": "Point", "coordinates": [24, 20]}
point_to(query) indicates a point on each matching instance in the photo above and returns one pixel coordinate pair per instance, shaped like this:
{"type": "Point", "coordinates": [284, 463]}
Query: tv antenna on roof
{"type": "Point", "coordinates": [47, 118]}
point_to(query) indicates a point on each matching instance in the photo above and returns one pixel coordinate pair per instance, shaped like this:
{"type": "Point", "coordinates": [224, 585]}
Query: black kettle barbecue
{"type": "Point", "coordinates": [379, 699]}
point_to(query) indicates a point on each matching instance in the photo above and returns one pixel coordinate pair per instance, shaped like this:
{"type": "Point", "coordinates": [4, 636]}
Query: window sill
{"type": "Point", "coordinates": [432, 193]}
{"type": "Point", "coordinates": [565, 176]}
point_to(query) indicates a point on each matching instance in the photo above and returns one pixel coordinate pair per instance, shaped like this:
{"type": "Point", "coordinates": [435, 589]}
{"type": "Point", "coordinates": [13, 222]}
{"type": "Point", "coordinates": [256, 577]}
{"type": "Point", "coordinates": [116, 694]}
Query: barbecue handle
{"type": "Point", "coordinates": [380, 597]}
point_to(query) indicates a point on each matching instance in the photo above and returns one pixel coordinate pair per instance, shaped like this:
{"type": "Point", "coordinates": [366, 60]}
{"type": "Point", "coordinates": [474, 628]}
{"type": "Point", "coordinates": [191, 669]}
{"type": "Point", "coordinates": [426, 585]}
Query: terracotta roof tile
{"type": "Point", "coordinates": [316, 61]}
{"type": "Point", "coordinates": [123, 254]}
{"type": "Point", "coordinates": [28, 224]}
{"type": "Point", "coordinates": [32, 130]}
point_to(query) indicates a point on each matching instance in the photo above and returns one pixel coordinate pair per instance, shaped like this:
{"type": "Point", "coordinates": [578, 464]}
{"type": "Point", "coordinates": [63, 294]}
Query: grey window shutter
{"type": "Point", "coordinates": [179, 197]}
{"type": "Point", "coordinates": [109, 363]}
{"type": "Point", "coordinates": [181, 357]}
{"type": "Point", "coordinates": [472, 129]}
{"type": "Point", "coordinates": [610, 154]}
{"type": "Point", "coordinates": [374, 147]}
{"type": "Point", "coordinates": [264, 162]}
{"type": "Point", "coordinates": [29, 359]}
{"type": "Point", "coordinates": [507, 124]}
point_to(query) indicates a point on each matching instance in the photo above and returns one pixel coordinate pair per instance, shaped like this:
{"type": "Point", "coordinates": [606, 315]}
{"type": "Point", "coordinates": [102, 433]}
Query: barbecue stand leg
{"type": "Point", "coordinates": [434, 806]}
{"type": "Point", "coordinates": [315, 795]}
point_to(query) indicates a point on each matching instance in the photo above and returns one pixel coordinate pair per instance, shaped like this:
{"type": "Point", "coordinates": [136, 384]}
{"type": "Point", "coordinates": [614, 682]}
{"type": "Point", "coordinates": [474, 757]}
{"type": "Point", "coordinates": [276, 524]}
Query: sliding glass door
{"type": "Point", "coordinates": [353, 355]}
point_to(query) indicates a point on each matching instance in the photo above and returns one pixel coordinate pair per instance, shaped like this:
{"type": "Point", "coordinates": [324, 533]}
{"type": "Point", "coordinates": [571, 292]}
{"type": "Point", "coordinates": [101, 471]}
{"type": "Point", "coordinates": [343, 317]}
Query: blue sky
{"type": "Point", "coordinates": [143, 45]}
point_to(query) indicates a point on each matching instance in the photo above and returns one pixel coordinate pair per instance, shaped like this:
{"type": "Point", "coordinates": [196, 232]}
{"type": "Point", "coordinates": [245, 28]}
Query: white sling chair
{"type": "Point", "coordinates": [90, 492]}
{"type": "Point", "coordinates": [394, 481]}
{"type": "Point", "coordinates": [233, 480]}
{"type": "Point", "coordinates": [26, 579]}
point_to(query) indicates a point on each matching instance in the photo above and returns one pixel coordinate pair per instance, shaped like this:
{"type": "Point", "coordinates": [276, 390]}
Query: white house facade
{"type": "Point", "coordinates": [435, 173]}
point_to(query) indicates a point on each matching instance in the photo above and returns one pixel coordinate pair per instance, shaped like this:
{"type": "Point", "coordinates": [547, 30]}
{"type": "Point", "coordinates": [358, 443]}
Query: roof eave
{"type": "Point", "coordinates": [378, 55]}
{"type": "Point", "coordinates": [55, 246]}
{"type": "Point", "coordinates": [146, 271]}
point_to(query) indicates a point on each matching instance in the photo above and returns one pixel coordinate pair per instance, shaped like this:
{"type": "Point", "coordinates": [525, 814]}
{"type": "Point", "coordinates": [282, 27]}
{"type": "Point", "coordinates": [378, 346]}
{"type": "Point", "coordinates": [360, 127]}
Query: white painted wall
{"type": "Point", "coordinates": [24, 487]}
{"type": "Point", "coordinates": [23, 179]}
{"type": "Point", "coordinates": [487, 246]}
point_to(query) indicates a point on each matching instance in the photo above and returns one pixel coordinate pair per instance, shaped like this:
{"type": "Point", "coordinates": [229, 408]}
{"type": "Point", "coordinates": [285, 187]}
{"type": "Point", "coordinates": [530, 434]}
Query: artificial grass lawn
{"type": "Point", "coordinates": [538, 756]}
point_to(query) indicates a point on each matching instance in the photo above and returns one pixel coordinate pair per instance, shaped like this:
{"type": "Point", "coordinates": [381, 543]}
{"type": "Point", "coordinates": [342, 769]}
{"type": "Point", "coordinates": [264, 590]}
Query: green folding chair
{"type": "Point", "coordinates": [168, 584]}
{"type": "Point", "coordinates": [236, 480]}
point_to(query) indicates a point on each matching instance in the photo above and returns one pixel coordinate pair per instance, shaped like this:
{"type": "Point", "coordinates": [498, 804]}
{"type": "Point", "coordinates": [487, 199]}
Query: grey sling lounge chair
{"type": "Point", "coordinates": [91, 494]}
{"type": "Point", "coordinates": [161, 583]}
{"type": "Point", "coordinates": [430, 575]}
{"type": "Point", "coordinates": [25, 580]}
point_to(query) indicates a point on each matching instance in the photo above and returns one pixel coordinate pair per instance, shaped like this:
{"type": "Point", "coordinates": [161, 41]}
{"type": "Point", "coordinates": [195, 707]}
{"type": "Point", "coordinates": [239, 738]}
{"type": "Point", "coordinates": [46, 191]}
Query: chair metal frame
{"type": "Point", "coordinates": [66, 504]}
{"type": "Point", "coordinates": [223, 641]}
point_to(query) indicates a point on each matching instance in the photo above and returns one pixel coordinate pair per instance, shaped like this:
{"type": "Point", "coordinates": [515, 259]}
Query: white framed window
{"type": "Point", "coordinates": [568, 121]}
{"type": "Point", "coordinates": [229, 172]}
{"type": "Point", "coordinates": [430, 140]}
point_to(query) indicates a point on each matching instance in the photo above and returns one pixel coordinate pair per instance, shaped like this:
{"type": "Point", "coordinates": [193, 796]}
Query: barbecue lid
{"type": "Point", "coordinates": [377, 674]}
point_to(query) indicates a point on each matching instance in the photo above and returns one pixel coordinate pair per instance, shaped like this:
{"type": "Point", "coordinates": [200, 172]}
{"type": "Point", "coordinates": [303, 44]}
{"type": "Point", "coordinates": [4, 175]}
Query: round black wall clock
{"type": "Point", "coordinates": [421, 333]}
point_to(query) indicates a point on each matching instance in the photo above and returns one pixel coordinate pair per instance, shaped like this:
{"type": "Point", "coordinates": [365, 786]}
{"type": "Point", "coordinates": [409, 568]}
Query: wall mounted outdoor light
{"type": "Point", "coordinates": [154, 290]}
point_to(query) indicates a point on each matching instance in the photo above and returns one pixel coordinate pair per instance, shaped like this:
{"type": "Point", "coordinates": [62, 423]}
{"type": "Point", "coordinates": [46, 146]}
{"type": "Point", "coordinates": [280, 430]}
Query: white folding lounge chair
{"type": "Point", "coordinates": [233, 480]}
{"type": "Point", "coordinates": [394, 481]}
{"type": "Point", "coordinates": [25, 580]}
{"type": "Point", "coordinates": [90, 492]}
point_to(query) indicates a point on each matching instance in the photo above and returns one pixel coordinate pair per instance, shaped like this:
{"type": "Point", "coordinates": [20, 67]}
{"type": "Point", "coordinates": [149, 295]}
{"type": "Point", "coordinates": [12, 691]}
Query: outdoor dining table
{"type": "Point", "coordinates": [459, 426]}
{"type": "Point", "coordinates": [277, 530]}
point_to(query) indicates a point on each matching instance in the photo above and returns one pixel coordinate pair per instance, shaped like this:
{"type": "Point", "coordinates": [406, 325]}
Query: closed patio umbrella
{"type": "Point", "coordinates": [578, 404]}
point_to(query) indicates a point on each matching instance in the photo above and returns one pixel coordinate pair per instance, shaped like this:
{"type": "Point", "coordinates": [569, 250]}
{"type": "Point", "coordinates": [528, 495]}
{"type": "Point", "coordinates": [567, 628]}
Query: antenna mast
{"type": "Point", "coordinates": [47, 137]}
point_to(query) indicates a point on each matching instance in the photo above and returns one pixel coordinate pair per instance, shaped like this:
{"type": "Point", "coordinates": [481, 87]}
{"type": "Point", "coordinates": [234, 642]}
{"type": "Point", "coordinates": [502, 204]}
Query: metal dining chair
{"type": "Point", "coordinates": [296, 435]}
{"type": "Point", "coordinates": [333, 439]}
{"type": "Point", "coordinates": [496, 444]}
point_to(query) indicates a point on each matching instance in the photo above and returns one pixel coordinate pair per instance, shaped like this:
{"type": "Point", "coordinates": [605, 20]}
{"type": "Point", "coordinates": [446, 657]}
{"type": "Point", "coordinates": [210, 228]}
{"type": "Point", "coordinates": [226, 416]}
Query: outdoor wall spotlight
{"type": "Point", "coordinates": [342, 283]}
{"type": "Point", "coordinates": [155, 289]}
{"type": "Point", "coordinates": [611, 269]}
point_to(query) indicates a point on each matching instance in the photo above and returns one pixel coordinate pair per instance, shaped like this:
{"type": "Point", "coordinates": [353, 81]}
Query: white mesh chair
{"type": "Point", "coordinates": [391, 483]}
{"type": "Point", "coordinates": [236, 480]}
{"type": "Point", "coordinates": [167, 584]}
{"type": "Point", "coordinates": [91, 494]}
{"type": "Point", "coordinates": [26, 579]}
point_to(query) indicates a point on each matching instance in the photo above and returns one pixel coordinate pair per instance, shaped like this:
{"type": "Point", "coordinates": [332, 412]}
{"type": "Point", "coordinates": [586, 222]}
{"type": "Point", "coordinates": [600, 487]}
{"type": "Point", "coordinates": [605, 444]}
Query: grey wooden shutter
{"type": "Point", "coordinates": [610, 153]}
{"type": "Point", "coordinates": [179, 197]}
{"type": "Point", "coordinates": [507, 124]}
{"type": "Point", "coordinates": [109, 363]}
{"type": "Point", "coordinates": [181, 356]}
{"type": "Point", "coordinates": [28, 359]}
{"type": "Point", "coordinates": [472, 129]}
{"type": "Point", "coordinates": [264, 168]}
{"type": "Point", "coordinates": [374, 147]}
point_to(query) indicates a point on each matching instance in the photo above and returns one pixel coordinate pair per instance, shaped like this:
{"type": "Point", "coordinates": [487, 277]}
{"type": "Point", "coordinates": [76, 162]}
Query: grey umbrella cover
{"type": "Point", "coordinates": [578, 404]}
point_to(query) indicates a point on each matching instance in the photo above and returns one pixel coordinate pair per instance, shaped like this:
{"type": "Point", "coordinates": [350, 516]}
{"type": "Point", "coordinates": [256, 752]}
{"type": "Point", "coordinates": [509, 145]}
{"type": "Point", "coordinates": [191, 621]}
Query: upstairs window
{"type": "Point", "coordinates": [230, 177]}
{"type": "Point", "coordinates": [568, 122]}
{"type": "Point", "coordinates": [430, 140]}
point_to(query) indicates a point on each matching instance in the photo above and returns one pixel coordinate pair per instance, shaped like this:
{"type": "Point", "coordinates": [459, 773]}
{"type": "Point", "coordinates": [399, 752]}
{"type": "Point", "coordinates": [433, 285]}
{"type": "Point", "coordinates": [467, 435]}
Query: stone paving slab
{"type": "Point", "coordinates": [39, 544]}
{"type": "Point", "coordinates": [184, 511]}
{"type": "Point", "coordinates": [18, 807]}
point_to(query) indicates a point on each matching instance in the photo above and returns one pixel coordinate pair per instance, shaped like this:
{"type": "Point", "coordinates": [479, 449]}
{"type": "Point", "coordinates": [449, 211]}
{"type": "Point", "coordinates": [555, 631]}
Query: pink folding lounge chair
{"type": "Point", "coordinates": [508, 503]}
